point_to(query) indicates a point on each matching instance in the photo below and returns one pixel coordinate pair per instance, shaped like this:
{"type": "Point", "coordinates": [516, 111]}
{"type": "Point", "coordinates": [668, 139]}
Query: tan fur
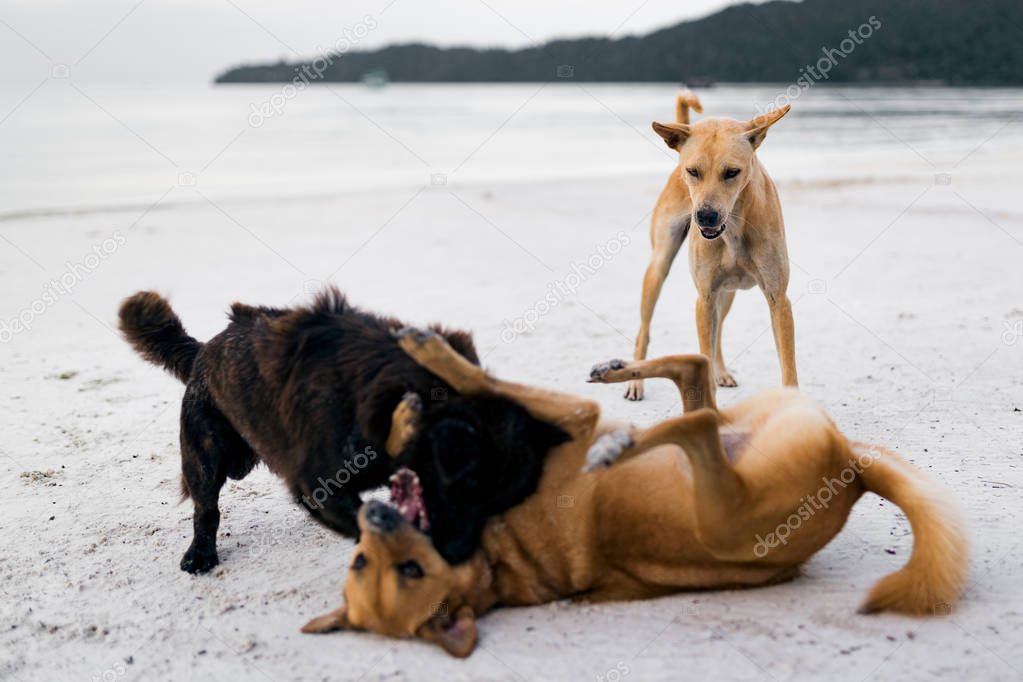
{"type": "Point", "coordinates": [936, 572]}
{"type": "Point", "coordinates": [404, 423]}
{"type": "Point", "coordinates": [686, 100]}
{"type": "Point", "coordinates": [674, 511]}
{"type": "Point", "coordinates": [751, 251]}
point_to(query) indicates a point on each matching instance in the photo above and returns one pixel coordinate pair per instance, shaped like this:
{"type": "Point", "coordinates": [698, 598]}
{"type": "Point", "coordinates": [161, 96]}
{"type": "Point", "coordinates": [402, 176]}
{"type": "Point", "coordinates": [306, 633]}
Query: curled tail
{"type": "Point", "coordinates": [686, 101]}
{"type": "Point", "coordinates": [156, 333]}
{"type": "Point", "coordinates": [932, 579]}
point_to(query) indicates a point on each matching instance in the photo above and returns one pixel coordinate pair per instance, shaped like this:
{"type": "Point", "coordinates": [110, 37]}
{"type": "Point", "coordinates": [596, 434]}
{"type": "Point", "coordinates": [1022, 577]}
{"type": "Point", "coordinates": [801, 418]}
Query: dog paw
{"type": "Point", "coordinates": [607, 449]}
{"type": "Point", "coordinates": [404, 423]}
{"type": "Point", "coordinates": [420, 344]}
{"type": "Point", "coordinates": [412, 335]}
{"type": "Point", "coordinates": [199, 561]}
{"type": "Point", "coordinates": [411, 404]}
{"type": "Point", "coordinates": [635, 390]}
{"type": "Point", "coordinates": [600, 371]}
{"type": "Point", "coordinates": [724, 378]}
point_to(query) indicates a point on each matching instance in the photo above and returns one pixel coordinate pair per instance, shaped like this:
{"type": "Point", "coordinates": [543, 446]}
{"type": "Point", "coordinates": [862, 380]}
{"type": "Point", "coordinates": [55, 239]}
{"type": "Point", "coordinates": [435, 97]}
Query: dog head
{"type": "Point", "coordinates": [470, 458]}
{"type": "Point", "coordinates": [398, 585]}
{"type": "Point", "coordinates": [416, 568]}
{"type": "Point", "coordinates": [716, 157]}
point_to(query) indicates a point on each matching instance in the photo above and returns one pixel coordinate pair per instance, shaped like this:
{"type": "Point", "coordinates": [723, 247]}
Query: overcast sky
{"type": "Point", "coordinates": [193, 40]}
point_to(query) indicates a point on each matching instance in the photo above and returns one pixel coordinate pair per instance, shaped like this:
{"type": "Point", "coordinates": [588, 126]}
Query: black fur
{"type": "Point", "coordinates": [476, 458]}
{"type": "Point", "coordinates": [310, 392]}
{"type": "Point", "coordinates": [155, 332]}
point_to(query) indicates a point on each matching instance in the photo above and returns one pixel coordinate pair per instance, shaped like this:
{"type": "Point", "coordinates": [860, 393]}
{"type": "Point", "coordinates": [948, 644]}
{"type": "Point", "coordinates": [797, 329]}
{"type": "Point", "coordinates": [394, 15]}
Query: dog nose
{"type": "Point", "coordinates": [382, 517]}
{"type": "Point", "coordinates": [707, 217]}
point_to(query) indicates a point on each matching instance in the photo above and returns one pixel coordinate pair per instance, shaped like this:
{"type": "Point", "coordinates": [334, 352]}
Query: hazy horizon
{"type": "Point", "coordinates": [194, 40]}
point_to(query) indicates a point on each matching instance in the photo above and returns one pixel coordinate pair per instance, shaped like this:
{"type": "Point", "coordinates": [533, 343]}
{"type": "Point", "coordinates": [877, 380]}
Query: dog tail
{"type": "Point", "coordinates": [934, 576]}
{"type": "Point", "coordinates": [686, 101]}
{"type": "Point", "coordinates": [156, 333]}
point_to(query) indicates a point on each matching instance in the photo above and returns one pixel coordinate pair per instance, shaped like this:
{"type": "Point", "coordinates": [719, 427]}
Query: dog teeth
{"type": "Point", "coordinates": [407, 497]}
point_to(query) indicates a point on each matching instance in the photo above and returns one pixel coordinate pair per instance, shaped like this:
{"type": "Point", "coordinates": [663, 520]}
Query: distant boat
{"type": "Point", "coordinates": [375, 79]}
{"type": "Point", "coordinates": [701, 83]}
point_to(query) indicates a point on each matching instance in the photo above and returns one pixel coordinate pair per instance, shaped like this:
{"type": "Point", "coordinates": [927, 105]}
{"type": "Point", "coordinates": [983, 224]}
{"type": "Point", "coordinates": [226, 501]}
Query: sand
{"type": "Point", "coordinates": [909, 323]}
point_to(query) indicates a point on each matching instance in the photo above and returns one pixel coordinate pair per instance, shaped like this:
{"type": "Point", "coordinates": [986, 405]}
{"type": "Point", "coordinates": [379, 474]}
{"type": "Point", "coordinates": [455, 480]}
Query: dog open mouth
{"type": "Point", "coordinates": [407, 498]}
{"type": "Point", "coordinates": [712, 232]}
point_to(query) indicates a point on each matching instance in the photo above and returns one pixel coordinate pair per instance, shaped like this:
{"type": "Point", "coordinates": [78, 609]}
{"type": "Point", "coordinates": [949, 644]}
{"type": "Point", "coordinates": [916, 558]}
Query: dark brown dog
{"type": "Point", "coordinates": [310, 392]}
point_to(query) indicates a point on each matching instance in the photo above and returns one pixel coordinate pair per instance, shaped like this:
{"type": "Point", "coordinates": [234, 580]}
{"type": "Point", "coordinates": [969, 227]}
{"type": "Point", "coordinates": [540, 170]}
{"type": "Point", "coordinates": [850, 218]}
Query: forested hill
{"type": "Point", "coordinates": [949, 41]}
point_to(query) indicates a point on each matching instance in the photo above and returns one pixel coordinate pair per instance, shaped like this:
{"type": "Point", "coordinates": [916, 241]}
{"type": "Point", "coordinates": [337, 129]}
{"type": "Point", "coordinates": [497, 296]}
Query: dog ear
{"type": "Point", "coordinates": [673, 134]}
{"type": "Point", "coordinates": [328, 622]}
{"type": "Point", "coordinates": [756, 129]}
{"type": "Point", "coordinates": [456, 635]}
{"type": "Point", "coordinates": [456, 446]}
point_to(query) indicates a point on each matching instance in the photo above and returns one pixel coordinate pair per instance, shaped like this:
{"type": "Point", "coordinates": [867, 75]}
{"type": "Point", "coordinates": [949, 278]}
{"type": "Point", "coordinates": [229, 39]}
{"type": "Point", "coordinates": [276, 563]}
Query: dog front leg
{"type": "Point", "coordinates": [404, 424]}
{"type": "Point", "coordinates": [708, 327]}
{"type": "Point", "coordinates": [723, 376]}
{"type": "Point", "coordinates": [577, 416]}
{"type": "Point", "coordinates": [653, 281]}
{"type": "Point", "coordinates": [666, 245]}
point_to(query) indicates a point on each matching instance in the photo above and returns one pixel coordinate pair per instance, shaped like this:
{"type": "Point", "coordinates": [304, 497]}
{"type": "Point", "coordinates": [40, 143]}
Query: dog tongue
{"type": "Point", "coordinates": [407, 496]}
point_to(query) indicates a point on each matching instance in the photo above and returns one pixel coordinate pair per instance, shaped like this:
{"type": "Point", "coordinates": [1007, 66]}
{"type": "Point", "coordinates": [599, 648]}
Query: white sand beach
{"type": "Point", "coordinates": [439, 204]}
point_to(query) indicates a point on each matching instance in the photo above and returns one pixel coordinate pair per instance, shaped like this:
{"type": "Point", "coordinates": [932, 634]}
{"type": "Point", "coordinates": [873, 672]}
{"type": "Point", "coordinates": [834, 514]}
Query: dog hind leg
{"type": "Point", "coordinates": [721, 495]}
{"type": "Point", "coordinates": [211, 451]}
{"type": "Point", "coordinates": [690, 373]}
{"type": "Point", "coordinates": [784, 336]}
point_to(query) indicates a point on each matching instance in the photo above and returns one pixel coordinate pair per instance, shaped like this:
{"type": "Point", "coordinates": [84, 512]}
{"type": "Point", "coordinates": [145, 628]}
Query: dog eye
{"type": "Point", "coordinates": [359, 562]}
{"type": "Point", "coordinates": [731, 173]}
{"type": "Point", "coordinates": [410, 569]}
{"type": "Point", "coordinates": [692, 171]}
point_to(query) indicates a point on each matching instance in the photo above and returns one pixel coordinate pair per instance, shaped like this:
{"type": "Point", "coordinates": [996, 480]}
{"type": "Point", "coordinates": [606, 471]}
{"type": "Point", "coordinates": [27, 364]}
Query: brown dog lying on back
{"type": "Point", "coordinates": [720, 186]}
{"type": "Point", "coordinates": [738, 497]}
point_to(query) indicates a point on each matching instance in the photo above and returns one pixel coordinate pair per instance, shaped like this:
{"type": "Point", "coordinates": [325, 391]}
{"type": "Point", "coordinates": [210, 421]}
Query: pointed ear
{"type": "Point", "coordinates": [673, 134]}
{"type": "Point", "coordinates": [756, 129]}
{"type": "Point", "coordinates": [328, 622]}
{"type": "Point", "coordinates": [456, 635]}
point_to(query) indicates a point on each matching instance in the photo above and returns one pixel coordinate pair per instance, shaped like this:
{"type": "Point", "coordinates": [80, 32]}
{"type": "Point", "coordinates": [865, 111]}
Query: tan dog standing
{"type": "Point", "coordinates": [739, 497]}
{"type": "Point", "coordinates": [720, 186]}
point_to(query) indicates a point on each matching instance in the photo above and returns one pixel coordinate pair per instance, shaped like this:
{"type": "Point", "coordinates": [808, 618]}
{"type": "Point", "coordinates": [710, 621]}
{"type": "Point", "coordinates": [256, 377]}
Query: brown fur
{"type": "Point", "coordinates": [742, 246]}
{"type": "Point", "coordinates": [672, 512]}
